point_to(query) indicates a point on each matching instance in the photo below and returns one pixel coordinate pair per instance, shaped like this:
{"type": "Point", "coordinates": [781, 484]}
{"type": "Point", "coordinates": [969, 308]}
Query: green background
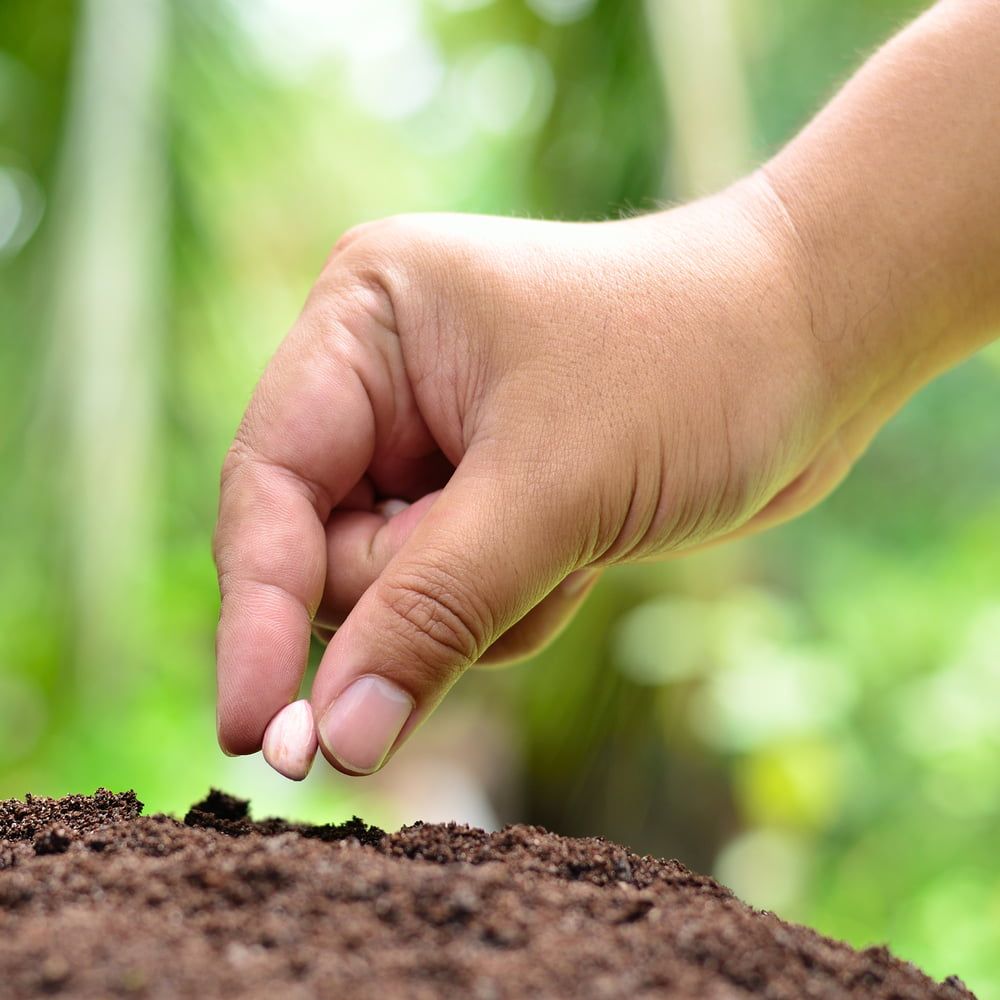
{"type": "Point", "coordinates": [811, 715]}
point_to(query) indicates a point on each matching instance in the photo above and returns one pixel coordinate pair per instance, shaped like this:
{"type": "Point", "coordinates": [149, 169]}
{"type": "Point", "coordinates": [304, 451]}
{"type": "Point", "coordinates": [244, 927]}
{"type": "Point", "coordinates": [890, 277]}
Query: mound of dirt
{"type": "Point", "coordinates": [97, 900]}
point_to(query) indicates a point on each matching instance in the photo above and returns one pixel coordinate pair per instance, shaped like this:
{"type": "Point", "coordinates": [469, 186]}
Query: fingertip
{"type": "Point", "coordinates": [236, 745]}
{"type": "Point", "coordinates": [232, 743]}
{"type": "Point", "coordinates": [262, 652]}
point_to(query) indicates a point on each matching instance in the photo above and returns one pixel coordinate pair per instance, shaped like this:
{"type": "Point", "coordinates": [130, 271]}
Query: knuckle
{"type": "Point", "coordinates": [355, 235]}
{"type": "Point", "coordinates": [366, 238]}
{"type": "Point", "coordinates": [394, 243]}
{"type": "Point", "coordinates": [437, 618]}
{"type": "Point", "coordinates": [349, 296]}
{"type": "Point", "coordinates": [235, 460]}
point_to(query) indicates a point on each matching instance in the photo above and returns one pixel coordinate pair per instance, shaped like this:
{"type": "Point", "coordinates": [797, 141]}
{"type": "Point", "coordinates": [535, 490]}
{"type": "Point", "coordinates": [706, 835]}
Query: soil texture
{"type": "Point", "coordinates": [97, 900]}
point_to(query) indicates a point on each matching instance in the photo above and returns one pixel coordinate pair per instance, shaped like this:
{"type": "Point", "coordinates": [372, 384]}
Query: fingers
{"type": "Point", "coordinates": [262, 638]}
{"type": "Point", "coordinates": [361, 544]}
{"type": "Point", "coordinates": [478, 559]}
{"type": "Point", "coordinates": [305, 443]}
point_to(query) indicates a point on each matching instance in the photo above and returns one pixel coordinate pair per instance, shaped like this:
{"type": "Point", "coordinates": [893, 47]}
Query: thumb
{"type": "Point", "coordinates": [486, 552]}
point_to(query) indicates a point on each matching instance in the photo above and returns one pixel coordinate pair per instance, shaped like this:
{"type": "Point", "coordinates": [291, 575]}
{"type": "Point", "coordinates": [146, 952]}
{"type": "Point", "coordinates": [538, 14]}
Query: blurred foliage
{"type": "Point", "coordinates": [810, 714]}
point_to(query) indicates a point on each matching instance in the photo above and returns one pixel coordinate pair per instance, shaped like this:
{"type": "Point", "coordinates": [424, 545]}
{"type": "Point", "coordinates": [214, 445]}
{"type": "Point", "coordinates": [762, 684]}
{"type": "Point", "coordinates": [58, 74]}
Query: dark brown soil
{"type": "Point", "coordinates": [98, 901]}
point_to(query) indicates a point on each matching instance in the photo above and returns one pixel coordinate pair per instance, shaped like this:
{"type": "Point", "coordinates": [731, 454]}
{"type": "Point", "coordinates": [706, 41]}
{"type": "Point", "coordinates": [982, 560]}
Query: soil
{"type": "Point", "coordinates": [97, 900]}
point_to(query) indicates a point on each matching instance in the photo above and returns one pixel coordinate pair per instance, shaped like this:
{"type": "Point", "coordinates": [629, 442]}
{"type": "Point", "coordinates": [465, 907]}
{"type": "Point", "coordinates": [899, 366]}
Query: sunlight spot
{"type": "Point", "coordinates": [562, 11]}
{"type": "Point", "coordinates": [21, 204]}
{"type": "Point", "coordinates": [506, 88]}
{"type": "Point", "coordinates": [768, 868]}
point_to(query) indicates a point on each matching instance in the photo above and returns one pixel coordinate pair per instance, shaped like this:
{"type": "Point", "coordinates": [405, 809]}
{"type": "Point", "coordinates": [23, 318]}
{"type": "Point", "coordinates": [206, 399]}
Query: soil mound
{"type": "Point", "coordinates": [98, 901]}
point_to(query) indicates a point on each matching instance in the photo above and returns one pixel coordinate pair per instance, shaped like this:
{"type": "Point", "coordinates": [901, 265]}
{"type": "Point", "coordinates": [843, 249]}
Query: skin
{"type": "Point", "coordinates": [473, 417]}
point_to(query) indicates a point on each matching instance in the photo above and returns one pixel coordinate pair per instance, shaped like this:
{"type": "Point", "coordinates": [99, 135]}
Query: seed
{"type": "Point", "coordinates": [290, 740]}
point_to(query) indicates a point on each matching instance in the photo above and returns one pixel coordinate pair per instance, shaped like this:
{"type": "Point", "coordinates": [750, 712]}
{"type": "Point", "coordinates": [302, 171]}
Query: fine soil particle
{"type": "Point", "coordinates": [99, 901]}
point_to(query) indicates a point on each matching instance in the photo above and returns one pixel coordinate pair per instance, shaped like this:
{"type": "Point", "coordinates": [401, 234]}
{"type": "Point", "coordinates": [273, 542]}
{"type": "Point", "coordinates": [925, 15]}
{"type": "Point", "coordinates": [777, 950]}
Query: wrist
{"type": "Point", "coordinates": [890, 195]}
{"type": "Point", "coordinates": [729, 320]}
{"type": "Point", "coordinates": [876, 326]}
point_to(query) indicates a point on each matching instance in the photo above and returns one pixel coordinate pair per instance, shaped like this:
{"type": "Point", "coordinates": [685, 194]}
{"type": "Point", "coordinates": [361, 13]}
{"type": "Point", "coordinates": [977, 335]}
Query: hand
{"type": "Point", "coordinates": [472, 417]}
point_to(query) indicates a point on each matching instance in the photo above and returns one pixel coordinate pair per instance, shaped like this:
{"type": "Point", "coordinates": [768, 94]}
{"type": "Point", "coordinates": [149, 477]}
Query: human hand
{"type": "Point", "coordinates": [471, 418]}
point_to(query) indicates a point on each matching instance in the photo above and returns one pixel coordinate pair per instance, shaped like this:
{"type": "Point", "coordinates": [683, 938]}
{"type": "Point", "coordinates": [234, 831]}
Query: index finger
{"type": "Point", "coordinates": [306, 440]}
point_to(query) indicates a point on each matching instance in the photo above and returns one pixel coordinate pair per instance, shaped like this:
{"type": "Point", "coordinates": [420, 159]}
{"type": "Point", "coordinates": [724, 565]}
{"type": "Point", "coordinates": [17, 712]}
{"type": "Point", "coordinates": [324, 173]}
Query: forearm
{"type": "Point", "coordinates": [892, 198]}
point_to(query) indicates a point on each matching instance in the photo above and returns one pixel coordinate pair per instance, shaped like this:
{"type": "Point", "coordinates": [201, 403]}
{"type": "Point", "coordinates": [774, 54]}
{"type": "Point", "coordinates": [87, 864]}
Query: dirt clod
{"type": "Point", "coordinates": [97, 901]}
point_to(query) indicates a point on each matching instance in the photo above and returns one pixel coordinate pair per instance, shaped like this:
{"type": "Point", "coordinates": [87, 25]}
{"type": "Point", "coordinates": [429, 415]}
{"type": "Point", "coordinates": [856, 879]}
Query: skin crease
{"type": "Point", "coordinates": [544, 399]}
